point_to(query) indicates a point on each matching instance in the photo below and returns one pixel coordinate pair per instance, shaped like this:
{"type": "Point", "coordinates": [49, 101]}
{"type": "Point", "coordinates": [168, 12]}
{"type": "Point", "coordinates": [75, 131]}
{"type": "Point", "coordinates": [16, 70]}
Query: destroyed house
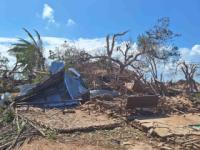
{"type": "Point", "coordinates": [62, 89]}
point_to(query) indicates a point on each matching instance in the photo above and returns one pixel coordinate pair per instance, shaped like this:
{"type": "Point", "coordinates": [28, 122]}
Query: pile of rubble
{"type": "Point", "coordinates": [182, 130]}
{"type": "Point", "coordinates": [63, 106]}
{"type": "Point", "coordinates": [176, 104]}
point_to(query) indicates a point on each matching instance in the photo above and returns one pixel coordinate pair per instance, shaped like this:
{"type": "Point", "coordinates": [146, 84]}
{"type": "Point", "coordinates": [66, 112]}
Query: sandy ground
{"type": "Point", "coordinates": [120, 138]}
{"type": "Point", "coordinates": [45, 144]}
{"type": "Point", "coordinates": [55, 119]}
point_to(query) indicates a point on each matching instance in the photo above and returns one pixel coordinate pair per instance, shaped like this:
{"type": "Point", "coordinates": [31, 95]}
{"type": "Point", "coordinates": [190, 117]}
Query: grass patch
{"type": "Point", "coordinates": [51, 134]}
{"type": "Point", "coordinates": [1, 110]}
{"type": "Point", "coordinates": [8, 116]}
{"type": "Point", "coordinates": [198, 95]}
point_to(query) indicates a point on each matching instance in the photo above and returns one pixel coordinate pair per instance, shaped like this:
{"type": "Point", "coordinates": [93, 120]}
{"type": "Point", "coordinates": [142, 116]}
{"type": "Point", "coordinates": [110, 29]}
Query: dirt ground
{"type": "Point", "coordinates": [44, 144]}
{"type": "Point", "coordinates": [55, 119]}
{"type": "Point", "coordinates": [126, 136]}
{"type": "Point", "coordinates": [122, 138]}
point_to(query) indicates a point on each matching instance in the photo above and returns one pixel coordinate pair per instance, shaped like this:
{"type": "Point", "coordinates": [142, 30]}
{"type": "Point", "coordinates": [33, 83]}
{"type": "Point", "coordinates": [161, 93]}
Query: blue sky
{"type": "Point", "coordinates": [85, 23]}
{"type": "Point", "coordinates": [95, 18]}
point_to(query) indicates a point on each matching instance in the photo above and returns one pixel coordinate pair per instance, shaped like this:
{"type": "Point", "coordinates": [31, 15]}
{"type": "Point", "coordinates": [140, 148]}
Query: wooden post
{"type": "Point", "coordinates": [27, 108]}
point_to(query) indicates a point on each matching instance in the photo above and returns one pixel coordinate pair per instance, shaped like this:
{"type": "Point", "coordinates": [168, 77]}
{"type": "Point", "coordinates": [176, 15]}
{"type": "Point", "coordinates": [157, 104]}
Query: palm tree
{"type": "Point", "coordinates": [29, 54]}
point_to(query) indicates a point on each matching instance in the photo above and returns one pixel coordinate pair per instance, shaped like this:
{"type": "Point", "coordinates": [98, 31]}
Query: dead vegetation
{"type": "Point", "coordinates": [104, 121]}
{"type": "Point", "coordinates": [99, 123]}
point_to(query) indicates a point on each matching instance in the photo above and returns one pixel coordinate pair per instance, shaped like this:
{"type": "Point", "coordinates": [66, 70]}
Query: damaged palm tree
{"type": "Point", "coordinates": [29, 55]}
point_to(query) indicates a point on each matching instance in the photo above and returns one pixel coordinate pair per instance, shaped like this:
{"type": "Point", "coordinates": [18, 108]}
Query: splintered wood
{"type": "Point", "coordinates": [68, 122]}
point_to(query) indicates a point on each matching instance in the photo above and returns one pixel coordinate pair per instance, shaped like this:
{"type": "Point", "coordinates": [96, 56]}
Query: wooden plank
{"type": "Point", "coordinates": [146, 101]}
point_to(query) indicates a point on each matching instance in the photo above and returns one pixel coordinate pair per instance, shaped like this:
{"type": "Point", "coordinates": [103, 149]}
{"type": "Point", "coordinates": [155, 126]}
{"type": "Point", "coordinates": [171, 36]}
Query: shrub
{"type": "Point", "coordinates": [8, 116]}
{"type": "Point", "coordinates": [51, 134]}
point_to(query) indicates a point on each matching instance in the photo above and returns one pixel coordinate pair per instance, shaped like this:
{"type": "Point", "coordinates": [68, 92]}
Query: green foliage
{"type": "Point", "coordinates": [8, 116]}
{"type": "Point", "coordinates": [29, 54]}
{"type": "Point", "coordinates": [197, 95]}
{"type": "Point", "coordinates": [1, 110]}
{"type": "Point", "coordinates": [51, 134]}
{"type": "Point", "coordinates": [71, 55]}
{"type": "Point", "coordinates": [157, 48]}
{"type": "Point", "coordinates": [3, 60]}
{"type": "Point", "coordinates": [3, 65]}
{"type": "Point", "coordinates": [40, 77]}
{"type": "Point", "coordinates": [157, 42]}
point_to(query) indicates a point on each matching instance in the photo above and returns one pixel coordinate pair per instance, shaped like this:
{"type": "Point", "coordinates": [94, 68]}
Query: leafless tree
{"type": "Point", "coordinates": [189, 70]}
{"type": "Point", "coordinates": [111, 45]}
{"type": "Point", "coordinates": [129, 55]}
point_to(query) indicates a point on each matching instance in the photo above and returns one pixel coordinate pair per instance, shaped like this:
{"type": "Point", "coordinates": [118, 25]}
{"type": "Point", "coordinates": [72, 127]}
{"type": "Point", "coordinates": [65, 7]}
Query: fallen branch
{"type": "Point", "coordinates": [6, 145]}
{"type": "Point", "coordinates": [34, 126]}
{"type": "Point", "coordinates": [16, 139]}
{"type": "Point", "coordinates": [37, 128]}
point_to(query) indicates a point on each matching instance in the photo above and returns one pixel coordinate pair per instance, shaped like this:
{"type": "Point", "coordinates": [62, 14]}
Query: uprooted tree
{"type": "Point", "coordinates": [189, 70]}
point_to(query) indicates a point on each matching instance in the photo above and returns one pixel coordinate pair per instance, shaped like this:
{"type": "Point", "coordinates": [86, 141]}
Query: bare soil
{"type": "Point", "coordinates": [55, 119]}
{"type": "Point", "coordinates": [122, 138]}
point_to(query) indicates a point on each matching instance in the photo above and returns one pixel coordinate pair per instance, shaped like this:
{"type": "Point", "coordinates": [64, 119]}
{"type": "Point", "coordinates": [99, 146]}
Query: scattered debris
{"type": "Point", "coordinates": [63, 109]}
{"type": "Point", "coordinates": [176, 105]}
{"type": "Point", "coordinates": [54, 119]}
{"type": "Point", "coordinates": [5, 99]}
{"type": "Point", "coordinates": [60, 90]}
{"type": "Point", "coordinates": [103, 93]}
{"type": "Point", "coordinates": [173, 125]}
{"type": "Point", "coordinates": [175, 129]}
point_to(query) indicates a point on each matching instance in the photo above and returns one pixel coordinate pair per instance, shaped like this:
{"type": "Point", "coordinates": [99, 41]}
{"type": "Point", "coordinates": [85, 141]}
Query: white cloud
{"type": "Point", "coordinates": [53, 41]}
{"type": "Point", "coordinates": [7, 40]}
{"type": "Point", "coordinates": [70, 22]}
{"type": "Point", "coordinates": [90, 45]}
{"type": "Point", "coordinates": [195, 50]}
{"type": "Point", "coordinates": [93, 46]}
{"type": "Point", "coordinates": [48, 13]}
{"type": "Point", "coordinates": [191, 54]}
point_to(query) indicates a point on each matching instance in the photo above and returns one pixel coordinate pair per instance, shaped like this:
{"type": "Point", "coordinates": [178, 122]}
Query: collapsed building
{"type": "Point", "coordinates": [63, 88]}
